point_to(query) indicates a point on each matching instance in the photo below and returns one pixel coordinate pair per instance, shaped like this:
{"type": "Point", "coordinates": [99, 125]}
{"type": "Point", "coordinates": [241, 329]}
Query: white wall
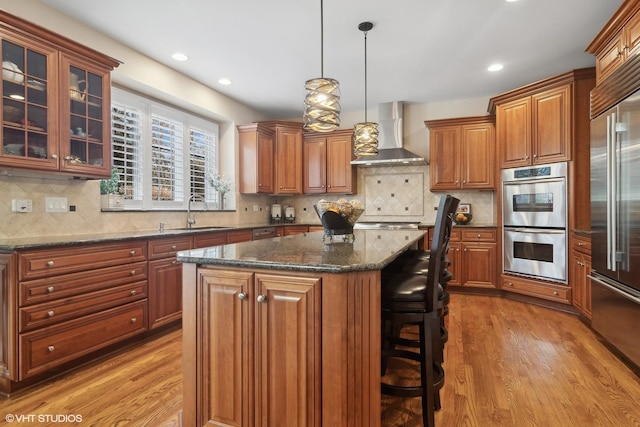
{"type": "Point", "coordinates": [142, 74]}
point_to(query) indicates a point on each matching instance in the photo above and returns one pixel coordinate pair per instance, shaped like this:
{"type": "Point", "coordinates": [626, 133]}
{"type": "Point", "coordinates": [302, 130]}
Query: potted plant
{"type": "Point", "coordinates": [111, 197]}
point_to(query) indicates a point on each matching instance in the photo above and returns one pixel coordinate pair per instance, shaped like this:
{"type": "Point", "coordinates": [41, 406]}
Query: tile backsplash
{"type": "Point", "coordinates": [390, 193]}
{"type": "Point", "coordinates": [398, 193]}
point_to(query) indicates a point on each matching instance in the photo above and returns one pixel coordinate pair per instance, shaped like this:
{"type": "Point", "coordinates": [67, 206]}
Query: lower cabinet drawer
{"type": "Point", "coordinates": [548, 291]}
{"type": "Point", "coordinates": [47, 348]}
{"type": "Point", "coordinates": [50, 313]}
{"type": "Point", "coordinates": [67, 285]}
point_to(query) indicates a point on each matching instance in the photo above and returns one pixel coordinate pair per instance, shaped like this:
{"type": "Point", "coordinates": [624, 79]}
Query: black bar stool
{"type": "Point", "coordinates": [409, 297]}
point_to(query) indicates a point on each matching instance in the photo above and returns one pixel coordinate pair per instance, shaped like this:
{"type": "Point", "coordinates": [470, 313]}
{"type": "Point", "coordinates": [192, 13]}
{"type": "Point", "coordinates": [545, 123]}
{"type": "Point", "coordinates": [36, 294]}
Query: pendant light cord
{"type": "Point", "coordinates": [365, 76]}
{"type": "Point", "coordinates": [321, 39]}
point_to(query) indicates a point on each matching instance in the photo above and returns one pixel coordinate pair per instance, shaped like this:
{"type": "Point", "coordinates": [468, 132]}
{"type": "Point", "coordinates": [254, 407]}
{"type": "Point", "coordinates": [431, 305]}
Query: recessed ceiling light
{"type": "Point", "coordinates": [495, 67]}
{"type": "Point", "coordinates": [511, 1]}
{"type": "Point", "coordinates": [224, 81]}
{"type": "Point", "coordinates": [178, 56]}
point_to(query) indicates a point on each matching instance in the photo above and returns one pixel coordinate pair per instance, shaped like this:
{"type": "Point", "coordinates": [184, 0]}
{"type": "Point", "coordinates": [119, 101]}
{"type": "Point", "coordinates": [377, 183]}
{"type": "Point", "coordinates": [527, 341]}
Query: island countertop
{"type": "Point", "coordinates": [370, 250]}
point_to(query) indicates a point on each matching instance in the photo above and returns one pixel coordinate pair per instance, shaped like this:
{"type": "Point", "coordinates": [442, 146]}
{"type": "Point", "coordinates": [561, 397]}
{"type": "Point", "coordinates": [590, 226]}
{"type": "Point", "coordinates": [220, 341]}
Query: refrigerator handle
{"type": "Point", "coordinates": [612, 213]}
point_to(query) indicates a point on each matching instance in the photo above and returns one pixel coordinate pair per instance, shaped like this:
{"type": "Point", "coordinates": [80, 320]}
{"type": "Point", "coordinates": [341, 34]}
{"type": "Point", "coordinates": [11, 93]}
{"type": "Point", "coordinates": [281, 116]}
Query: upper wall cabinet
{"type": "Point", "coordinates": [55, 103]}
{"type": "Point", "coordinates": [270, 157]}
{"type": "Point", "coordinates": [618, 41]}
{"type": "Point", "coordinates": [327, 162]}
{"type": "Point", "coordinates": [462, 152]}
{"type": "Point", "coordinates": [539, 123]}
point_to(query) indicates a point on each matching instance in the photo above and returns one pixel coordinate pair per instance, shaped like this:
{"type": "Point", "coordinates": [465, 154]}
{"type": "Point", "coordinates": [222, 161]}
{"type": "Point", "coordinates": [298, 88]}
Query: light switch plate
{"type": "Point", "coordinates": [21, 205]}
{"type": "Point", "coordinates": [55, 204]}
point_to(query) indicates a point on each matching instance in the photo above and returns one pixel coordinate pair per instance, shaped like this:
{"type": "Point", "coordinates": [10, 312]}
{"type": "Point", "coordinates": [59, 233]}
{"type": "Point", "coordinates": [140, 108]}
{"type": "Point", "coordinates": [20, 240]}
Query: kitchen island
{"type": "Point", "coordinates": [286, 331]}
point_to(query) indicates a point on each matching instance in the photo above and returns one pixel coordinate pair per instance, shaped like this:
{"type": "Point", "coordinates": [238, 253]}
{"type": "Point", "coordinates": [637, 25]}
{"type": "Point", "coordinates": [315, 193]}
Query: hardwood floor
{"type": "Point", "coordinates": [507, 363]}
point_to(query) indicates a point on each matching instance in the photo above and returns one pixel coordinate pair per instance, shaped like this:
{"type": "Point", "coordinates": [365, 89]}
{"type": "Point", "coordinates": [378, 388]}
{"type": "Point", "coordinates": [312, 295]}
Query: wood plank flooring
{"type": "Point", "coordinates": [508, 364]}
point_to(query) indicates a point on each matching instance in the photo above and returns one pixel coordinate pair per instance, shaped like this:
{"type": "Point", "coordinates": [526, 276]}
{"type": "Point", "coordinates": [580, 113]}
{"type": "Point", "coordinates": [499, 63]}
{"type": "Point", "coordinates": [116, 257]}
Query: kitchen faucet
{"type": "Point", "coordinates": [193, 197]}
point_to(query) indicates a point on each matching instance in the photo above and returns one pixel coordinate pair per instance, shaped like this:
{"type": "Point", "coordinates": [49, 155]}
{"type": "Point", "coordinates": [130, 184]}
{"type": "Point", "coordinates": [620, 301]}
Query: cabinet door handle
{"type": "Point", "coordinates": [50, 289]}
{"type": "Point", "coordinates": [68, 158]}
{"type": "Point", "coordinates": [50, 313]}
{"type": "Point", "coordinates": [54, 156]}
{"type": "Point", "coordinates": [49, 263]}
{"type": "Point", "coordinates": [51, 348]}
{"type": "Point", "coordinates": [261, 298]}
{"type": "Point", "coordinates": [242, 296]}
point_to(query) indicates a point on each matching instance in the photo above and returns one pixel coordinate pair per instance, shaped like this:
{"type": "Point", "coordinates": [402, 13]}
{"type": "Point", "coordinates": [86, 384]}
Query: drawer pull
{"type": "Point", "coordinates": [50, 313]}
{"type": "Point", "coordinates": [133, 272]}
{"type": "Point", "coordinates": [133, 292]}
{"type": "Point", "coordinates": [51, 348]}
{"type": "Point", "coordinates": [555, 293]}
{"type": "Point", "coordinates": [174, 262]}
{"type": "Point", "coordinates": [134, 320]}
{"type": "Point", "coordinates": [50, 289]}
{"type": "Point", "coordinates": [510, 284]}
{"type": "Point", "coordinates": [580, 243]}
{"type": "Point", "coordinates": [242, 296]}
{"type": "Point", "coordinates": [173, 247]}
{"type": "Point", "coordinates": [132, 253]}
{"type": "Point", "coordinates": [49, 263]}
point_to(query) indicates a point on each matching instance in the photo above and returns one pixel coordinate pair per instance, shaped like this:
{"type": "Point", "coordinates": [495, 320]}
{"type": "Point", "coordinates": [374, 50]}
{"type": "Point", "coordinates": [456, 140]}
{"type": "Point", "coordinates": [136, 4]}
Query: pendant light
{"type": "Point", "coordinates": [322, 103]}
{"type": "Point", "coordinates": [365, 134]}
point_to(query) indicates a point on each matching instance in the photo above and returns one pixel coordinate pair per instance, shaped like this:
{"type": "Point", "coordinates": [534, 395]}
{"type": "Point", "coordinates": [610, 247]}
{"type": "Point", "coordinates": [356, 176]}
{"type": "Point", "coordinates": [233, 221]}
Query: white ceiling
{"type": "Point", "coordinates": [419, 51]}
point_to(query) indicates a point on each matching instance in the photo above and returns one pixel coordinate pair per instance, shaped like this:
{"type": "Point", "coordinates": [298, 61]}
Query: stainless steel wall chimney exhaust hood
{"type": "Point", "coordinates": [390, 146]}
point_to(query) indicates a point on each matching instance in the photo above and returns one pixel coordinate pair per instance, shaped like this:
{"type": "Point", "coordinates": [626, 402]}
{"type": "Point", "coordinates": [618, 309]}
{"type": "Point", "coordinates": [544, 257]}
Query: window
{"type": "Point", "coordinates": [163, 154]}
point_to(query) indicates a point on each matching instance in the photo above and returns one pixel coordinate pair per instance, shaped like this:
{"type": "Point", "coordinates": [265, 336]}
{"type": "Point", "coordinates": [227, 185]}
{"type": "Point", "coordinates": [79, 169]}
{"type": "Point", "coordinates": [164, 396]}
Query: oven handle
{"type": "Point", "coordinates": [534, 181]}
{"type": "Point", "coordinates": [615, 289]}
{"type": "Point", "coordinates": [536, 230]}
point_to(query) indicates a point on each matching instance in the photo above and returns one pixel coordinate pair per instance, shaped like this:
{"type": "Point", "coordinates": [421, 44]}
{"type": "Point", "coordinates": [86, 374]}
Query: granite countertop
{"type": "Point", "coordinates": [77, 239]}
{"type": "Point", "coordinates": [370, 250]}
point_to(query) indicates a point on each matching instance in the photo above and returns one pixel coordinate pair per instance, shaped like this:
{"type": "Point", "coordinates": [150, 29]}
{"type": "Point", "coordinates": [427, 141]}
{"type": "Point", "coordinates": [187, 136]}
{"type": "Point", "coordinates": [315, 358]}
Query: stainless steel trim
{"type": "Point", "coordinates": [622, 292]}
{"type": "Point", "coordinates": [385, 226]}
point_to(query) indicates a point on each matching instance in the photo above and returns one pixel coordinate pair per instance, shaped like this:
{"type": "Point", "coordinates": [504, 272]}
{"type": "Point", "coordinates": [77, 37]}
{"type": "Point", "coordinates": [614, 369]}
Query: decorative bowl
{"type": "Point", "coordinates": [462, 218]}
{"type": "Point", "coordinates": [338, 217]}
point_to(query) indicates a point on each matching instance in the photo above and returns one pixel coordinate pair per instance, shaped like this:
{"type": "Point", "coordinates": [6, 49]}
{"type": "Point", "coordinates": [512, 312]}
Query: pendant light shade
{"type": "Point", "coordinates": [365, 134]}
{"type": "Point", "coordinates": [322, 103]}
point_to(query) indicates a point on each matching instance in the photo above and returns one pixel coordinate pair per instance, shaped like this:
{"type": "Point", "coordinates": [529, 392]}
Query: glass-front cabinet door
{"type": "Point", "coordinates": [84, 137]}
{"type": "Point", "coordinates": [29, 113]}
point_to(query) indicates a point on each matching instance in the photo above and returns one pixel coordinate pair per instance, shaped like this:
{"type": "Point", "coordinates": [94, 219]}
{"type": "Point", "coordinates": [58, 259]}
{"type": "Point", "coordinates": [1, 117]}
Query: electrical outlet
{"type": "Point", "coordinates": [256, 208]}
{"type": "Point", "coordinates": [21, 205]}
{"type": "Point", "coordinates": [55, 204]}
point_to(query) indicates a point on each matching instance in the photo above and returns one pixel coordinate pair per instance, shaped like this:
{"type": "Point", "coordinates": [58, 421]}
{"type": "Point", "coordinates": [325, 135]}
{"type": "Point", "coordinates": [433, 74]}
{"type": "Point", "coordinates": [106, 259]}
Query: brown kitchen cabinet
{"type": "Point", "coordinates": [550, 291]}
{"type": "Point", "coordinates": [256, 158]}
{"type": "Point", "coordinates": [327, 162]}
{"type": "Point", "coordinates": [63, 295]}
{"type": "Point", "coordinates": [617, 42]}
{"type": "Point", "coordinates": [165, 280]}
{"type": "Point", "coordinates": [473, 257]}
{"type": "Point", "coordinates": [579, 268]}
{"type": "Point", "coordinates": [537, 124]}
{"type": "Point", "coordinates": [261, 335]}
{"type": "Point", "coordinates": [288, 158]}
{"type": "Point", "coordinates": [290, 230]}
{"type": "Point", "coordinates": [462, 152]}
{"type": "Point", "coordinates": [204, 240]}
{"type": "Point", "coordinates": [56, 103]}
{"type": "Point", "coordinates": [239, 236]}
{"type": "Point", "coordinates": [474, 250]}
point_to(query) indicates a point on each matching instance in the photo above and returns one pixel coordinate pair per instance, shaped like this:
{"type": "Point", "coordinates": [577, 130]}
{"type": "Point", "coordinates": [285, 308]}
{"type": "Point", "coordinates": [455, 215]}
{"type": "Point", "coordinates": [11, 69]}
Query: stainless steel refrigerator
{"type": "Point", "coordinates": [615, 226]}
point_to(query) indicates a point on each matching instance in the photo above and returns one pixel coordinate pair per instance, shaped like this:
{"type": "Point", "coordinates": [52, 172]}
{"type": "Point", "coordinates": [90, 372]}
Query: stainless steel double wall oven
{"type": "Point", "coordinates": [534, 219]}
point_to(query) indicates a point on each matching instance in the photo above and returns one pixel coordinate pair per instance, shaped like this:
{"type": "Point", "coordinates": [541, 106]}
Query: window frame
{"type": "Point", "coordinates": [149, 108]}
